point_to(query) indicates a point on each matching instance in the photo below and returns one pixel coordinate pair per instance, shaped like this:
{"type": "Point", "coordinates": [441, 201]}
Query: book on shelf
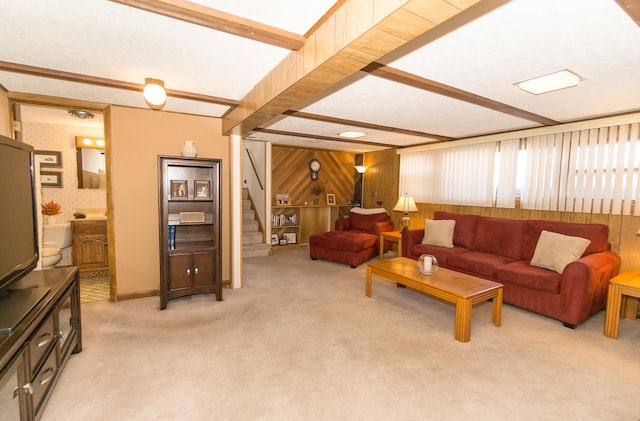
{"type": "Point", "coordinates": [172, 237]}
{"type": "Point", "coordinates": [284, 219]}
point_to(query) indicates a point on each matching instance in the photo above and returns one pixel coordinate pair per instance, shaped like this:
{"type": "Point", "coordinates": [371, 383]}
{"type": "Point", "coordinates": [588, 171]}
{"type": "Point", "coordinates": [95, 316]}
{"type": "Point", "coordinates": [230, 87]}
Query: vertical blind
{"type": "Point", "coordinates": [593, 171]}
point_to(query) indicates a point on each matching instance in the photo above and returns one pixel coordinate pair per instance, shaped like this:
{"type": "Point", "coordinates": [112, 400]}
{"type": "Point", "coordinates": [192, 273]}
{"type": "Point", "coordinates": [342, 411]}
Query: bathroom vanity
{"type": "Point", "coordinates": [89, 250]}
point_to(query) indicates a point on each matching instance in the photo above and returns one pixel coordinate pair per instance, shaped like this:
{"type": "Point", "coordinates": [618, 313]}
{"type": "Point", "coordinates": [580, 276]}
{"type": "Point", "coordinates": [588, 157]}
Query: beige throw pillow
{"type": "Point", "coordinates": [439, 232]}
{"type": "Point", "coordinates": [555, 251]}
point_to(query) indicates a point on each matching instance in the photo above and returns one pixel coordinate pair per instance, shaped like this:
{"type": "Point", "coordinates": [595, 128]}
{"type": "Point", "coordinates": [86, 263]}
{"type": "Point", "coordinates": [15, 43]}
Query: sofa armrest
{"type": "Point", "coordinates": [382, 226]}
{"type": "Point", "coordinates": [411, 238]}
{"type": "Point", "coordinates": [584, 285]}
{"type": "Point", "coordinates": [341, 224]}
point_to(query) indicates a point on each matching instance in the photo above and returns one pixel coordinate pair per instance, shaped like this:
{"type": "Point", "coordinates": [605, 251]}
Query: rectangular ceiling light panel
{"type": "Point", "coordinates": [551, 82]}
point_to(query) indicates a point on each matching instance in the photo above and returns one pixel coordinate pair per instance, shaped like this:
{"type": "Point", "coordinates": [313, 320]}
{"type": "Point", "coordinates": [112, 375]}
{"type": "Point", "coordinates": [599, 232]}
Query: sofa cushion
{"type": "Point", "coordinates": [555, 251]}
{"type": "Point", "coordinates": [344, 240]}
{"type": "Point", "coordinates": [478, 263]}
{"type": "Point", "coordinates": [523, 274]}
{"type": "Point", "coordinates": [465, 231]}
{"type": "Point", "coordinates": [500, 236]}
{"type": "Point", "coordinates": [439, 233]}
{"type": "Point", "coordinates": [362, 222]}
{"type": "Point", "coordinates": [598, 234]}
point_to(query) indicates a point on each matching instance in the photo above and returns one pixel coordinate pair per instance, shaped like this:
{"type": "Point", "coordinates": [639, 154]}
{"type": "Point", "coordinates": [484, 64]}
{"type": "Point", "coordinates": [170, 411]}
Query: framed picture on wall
{"type": "Point", "coordinates": [179, 189]}
{"type": "Point", "coordinates": [331, 199]}
{"type": "Point", "coordinates": [49, 159]}
{"type": "Point", "coordinates": [51, 178]}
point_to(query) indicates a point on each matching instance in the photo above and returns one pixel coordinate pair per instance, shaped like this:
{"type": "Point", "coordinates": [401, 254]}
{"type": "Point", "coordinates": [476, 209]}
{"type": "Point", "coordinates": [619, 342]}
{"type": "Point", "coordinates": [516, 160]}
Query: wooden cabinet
{"type": "Point", "coordinates": [35, 352]}
{"type": "Point", "coordinates": [89, 250]}
{"type": "Point", "coordinates": [189, 214]}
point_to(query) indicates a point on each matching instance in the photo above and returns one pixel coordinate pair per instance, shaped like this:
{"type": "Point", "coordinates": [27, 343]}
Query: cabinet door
{"type": "Point", "coordinates": [14, 389]}
{"type": "Point", "coordinates": [92, 250]}
{"type": "Point", "coordinates": [203, 273]}
{"type": "Point", "coordinates": [179, 271]}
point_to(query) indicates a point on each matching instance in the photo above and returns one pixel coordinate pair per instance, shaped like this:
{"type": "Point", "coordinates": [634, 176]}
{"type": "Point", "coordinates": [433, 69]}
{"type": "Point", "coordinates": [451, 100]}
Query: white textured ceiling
{"type": "Point", "coordinates": [515, 40]}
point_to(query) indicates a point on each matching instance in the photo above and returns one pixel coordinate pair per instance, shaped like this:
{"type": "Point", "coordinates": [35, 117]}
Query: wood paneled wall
{"type": "Point", "coordinates": [290, 174]}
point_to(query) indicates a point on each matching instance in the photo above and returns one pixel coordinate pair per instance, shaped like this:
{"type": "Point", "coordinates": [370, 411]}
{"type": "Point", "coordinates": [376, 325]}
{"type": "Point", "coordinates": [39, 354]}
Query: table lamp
{"type": "Point", "coordinates": [405, 205]}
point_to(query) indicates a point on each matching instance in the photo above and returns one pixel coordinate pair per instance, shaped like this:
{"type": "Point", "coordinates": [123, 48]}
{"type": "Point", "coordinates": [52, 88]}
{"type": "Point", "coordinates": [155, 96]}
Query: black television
{"type": "Point", "coordinates": [18, 231]}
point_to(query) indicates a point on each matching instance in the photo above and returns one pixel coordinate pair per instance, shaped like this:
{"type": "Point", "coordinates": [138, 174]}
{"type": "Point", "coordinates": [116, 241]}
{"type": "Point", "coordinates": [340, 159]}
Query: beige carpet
{"type": "Point", "coordinates": [301, 341]}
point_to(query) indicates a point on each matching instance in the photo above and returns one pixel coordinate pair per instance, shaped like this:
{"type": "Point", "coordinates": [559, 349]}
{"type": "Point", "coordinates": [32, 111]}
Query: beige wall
{"type": "Point", "coordinates": [135, 138]}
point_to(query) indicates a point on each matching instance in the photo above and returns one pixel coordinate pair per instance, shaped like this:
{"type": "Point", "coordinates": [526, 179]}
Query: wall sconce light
{"type": "Point", "coordinates": [89, 142]}
{"type": "Point", "coordinates": [361, 169]}
{"type": "Point", "coordinates": [405, 205]}
{"type": "Point", "coordinates": [154, 94]}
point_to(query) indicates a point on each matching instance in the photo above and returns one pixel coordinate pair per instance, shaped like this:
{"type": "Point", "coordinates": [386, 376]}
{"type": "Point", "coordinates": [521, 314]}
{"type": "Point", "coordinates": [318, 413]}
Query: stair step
{"type": "Point", "coordinates": [246, 204]}
{"type": "Point", "coordinates": [245, 194]}
{"type": "Point", "coordinates": [256, 250]}
{"type": "Point", "coordinates": [252, 238]}
{"type": "Point", "coordinates": [250, 225]}
{"type": "Point", "coordinates": [248, 214]}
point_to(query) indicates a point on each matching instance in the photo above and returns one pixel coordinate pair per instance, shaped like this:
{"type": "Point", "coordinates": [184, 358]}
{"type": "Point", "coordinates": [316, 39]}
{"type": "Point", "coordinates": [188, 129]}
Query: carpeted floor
{"type": "Point", "coordinates": [300, 341]}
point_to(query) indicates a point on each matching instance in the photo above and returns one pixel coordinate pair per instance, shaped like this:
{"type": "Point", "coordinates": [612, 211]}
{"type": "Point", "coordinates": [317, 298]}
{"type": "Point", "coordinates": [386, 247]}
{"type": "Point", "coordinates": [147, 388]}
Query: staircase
{"type": "Point", "coordinates": [252, 238]}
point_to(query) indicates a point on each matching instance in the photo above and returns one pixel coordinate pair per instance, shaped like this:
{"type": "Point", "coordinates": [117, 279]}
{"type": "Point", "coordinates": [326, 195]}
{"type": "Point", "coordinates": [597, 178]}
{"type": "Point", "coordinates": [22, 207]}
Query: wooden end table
{"type": "Point", "coordinates": [394, 237]}
{"type": "Point", "coordinates": [620, 298]}
{"type": "Point", "coordinates": [458, 288]}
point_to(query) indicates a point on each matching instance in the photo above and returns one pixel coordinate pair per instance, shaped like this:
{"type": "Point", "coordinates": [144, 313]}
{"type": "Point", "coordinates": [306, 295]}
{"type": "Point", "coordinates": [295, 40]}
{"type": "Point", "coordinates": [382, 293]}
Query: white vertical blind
{"type": "Point", "coordinates": [590, 171]}
{"type": "Point", "coordinates": [505, 182]}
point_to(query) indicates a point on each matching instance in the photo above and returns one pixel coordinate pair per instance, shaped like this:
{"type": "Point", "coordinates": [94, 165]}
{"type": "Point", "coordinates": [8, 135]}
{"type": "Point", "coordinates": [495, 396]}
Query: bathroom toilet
{"type": "Point", "coordinates": [55, 237]}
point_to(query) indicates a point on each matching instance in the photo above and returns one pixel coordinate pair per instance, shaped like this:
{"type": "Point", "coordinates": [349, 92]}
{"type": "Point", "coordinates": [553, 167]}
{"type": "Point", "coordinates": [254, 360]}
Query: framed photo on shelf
{"type": "Point", "coordinates": [51, 178]}
{"type": "Point", "coordinates": [49, 159]}
{"type": "Point", "coordinates": [282, 199]}
{"type": "Point", "coordinates": [274, 239]}
{"type": "Point", "coordinates": [202, 189]}
{"type": "Point", "coordinates": [283, 241]}
{"type": "Point", "coordinates": [331, 199]}
{"type": "Point", "coordinates": [179, 189]}
{"type": "Point", "coordinates": [290, 237]}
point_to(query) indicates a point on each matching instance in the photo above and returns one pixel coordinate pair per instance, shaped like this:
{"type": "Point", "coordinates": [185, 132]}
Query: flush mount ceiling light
{"type": "Point", "coordinates": [351, 135]}
{"type": "Point", "coordinates": [81, 114]}
{"type": "Point", "coordinates": [154, 93]}
{"type": "Point", "coordinates": [551, 82]}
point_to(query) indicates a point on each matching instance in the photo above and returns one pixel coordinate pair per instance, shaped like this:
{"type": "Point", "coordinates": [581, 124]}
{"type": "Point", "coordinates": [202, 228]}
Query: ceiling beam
{"type": "Point", "coordinates": [355, 35]}
{"type": "Point", "coordinates": [631, 8]}
{"type": "Point", "coordinates": [330, 138]}
{"type": "Point", "coordinates": [399, 76]}
{"type": "Point", "coordinates": [108, 83]}
{"type": "Point", "coordinates": [335, 120]}
{"type": "Point", "coordinates": [214, 19]}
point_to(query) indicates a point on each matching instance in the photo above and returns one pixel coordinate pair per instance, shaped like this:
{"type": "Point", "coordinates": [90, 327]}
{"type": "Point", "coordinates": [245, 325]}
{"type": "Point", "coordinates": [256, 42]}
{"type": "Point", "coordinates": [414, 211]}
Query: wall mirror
{"type": "Point", "coordinates": [92, 167]}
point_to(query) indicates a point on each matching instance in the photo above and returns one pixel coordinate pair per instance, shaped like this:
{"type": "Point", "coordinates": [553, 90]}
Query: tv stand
{"type": "Point", "coordinates": [35, 351]}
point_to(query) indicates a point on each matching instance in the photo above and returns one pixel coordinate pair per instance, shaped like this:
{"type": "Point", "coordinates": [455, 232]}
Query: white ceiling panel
{"type": "Point", "coordinates": [304, 142]}
{"type": "Point", "coordinates": [375, 100]}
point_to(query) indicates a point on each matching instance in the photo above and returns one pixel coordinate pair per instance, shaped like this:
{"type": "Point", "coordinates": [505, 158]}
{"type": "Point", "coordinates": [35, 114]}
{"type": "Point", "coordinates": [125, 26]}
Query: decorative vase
{"type": "Point", "coordinates": [49, 219]}
{"type": "Point", "coordinates": [189, 149]}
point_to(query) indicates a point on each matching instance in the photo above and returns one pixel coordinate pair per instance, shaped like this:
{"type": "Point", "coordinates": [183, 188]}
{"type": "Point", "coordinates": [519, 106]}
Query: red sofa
{"type": "Point", "coordinates": [354, 240]}
{"type": "Point", "coordinates": [502, 249]}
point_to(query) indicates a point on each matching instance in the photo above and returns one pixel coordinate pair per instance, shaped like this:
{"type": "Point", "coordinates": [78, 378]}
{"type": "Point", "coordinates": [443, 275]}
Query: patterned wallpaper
{"type": "Point", "coordinates": [52, 137]}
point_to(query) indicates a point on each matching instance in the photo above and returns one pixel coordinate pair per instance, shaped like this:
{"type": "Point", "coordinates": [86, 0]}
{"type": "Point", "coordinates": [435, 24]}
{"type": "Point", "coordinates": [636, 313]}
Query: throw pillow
{"type": "Point", "coordinates": [555, 251]}
{"type": "Point", "coordinates": [439, 232]}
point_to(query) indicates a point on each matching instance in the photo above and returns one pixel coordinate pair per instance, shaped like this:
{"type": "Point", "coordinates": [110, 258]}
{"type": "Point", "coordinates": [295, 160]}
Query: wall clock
{"type": "Point", "coordinates": [314, 167]}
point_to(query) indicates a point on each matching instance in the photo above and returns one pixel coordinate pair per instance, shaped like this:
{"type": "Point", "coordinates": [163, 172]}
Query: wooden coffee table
{"type": "Point", "coordinates": [455, 287]}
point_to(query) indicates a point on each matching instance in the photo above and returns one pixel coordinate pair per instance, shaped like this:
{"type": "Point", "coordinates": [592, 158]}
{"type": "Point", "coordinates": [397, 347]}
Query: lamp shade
{"type": "Point", "coordinates": [405, 204]}
{"type": "Point", "coordinates": [361, 169]}
{"type": "Point", "coordinates": [154, 93]}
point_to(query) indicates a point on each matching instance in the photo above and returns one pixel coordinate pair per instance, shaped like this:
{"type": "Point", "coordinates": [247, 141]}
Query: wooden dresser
{"type": "Point", "coordinates": [35, 351]}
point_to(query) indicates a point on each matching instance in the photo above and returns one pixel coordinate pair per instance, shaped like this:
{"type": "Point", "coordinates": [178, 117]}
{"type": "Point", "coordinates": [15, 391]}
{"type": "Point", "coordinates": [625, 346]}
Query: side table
{"type": "Point", "coordinates": [394, 237]}
{"type": "Point", "coordinates": [621, 290]}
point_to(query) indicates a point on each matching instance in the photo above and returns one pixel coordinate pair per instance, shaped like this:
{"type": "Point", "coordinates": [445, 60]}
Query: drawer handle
{"type": "Point", "coordinates": [45, 381]}
{"type": "Point", "coordinates": [44, 342]}
{"type": "Point", "coordinates": [61, 335]}
{"type": "Point", "coordinates": [27, 388]}
{"type": "Point", "coordinates": [196, 270]}
{"type": "Point", "coordinates": [189, 272]}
